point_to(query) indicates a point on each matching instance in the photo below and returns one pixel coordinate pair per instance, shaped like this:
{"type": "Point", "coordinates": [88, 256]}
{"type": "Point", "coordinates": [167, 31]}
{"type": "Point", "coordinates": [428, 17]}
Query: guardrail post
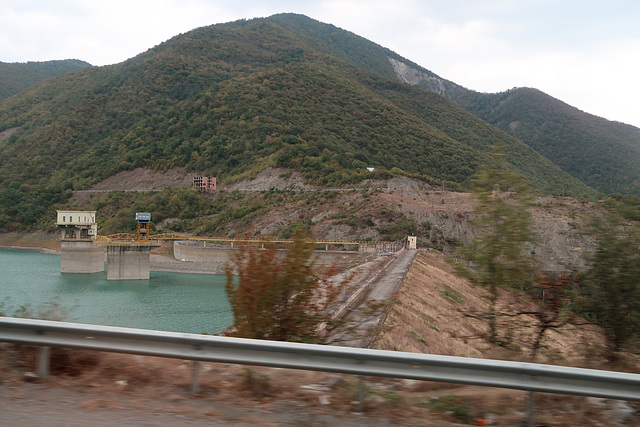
{"type": "Point", "coordinates": [195, 378]}
{"type": "Point", "coordinates": [44, 353]}
{"type": "Point", "coordinates": [531, 409]}
{"type": "Point", "coordinates": [360, 395]}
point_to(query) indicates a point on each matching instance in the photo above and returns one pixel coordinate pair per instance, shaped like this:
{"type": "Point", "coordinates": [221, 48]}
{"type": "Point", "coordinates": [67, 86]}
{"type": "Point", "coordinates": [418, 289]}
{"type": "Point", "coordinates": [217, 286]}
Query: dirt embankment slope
{"type": "Point", "coordinates": [428, 316]}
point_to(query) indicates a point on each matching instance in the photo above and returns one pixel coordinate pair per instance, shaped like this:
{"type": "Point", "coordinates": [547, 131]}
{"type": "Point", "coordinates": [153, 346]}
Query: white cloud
{"type": "Point", "coordinates": [98, 32]}
{"type": "Point", "coordinates": [601, 81]}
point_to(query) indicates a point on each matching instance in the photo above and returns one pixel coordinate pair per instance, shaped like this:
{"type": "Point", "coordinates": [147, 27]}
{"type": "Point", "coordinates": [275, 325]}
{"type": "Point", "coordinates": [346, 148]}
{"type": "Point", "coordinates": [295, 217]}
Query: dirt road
{"type": "Point", "coordinates": [46, 405]}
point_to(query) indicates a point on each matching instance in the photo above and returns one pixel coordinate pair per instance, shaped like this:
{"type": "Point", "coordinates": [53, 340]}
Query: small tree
{"type": "Point", "coordinates": [550, 296]}
{"type": "Point", "coordinates": [278, 295]}
{"type": "Point", "coordinates": [504, 226]}
{"type": "Point", "coordinates": [612, 281]}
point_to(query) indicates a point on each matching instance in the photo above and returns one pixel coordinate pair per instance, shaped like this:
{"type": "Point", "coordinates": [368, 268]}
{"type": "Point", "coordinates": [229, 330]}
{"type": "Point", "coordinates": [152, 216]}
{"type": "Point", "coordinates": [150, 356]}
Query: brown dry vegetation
{"type": "Point", "coordinates": [362, 212]}
{"type": "Point", "coordinates": [428, 316]}
{"type": "Point", "coordinates": [118, 386]}
{"type": "Point", "coordinates": [229, 393]}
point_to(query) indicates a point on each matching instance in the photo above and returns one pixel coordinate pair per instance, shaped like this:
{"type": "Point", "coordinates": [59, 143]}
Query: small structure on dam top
{"type": "Point", "coordinates": [79, 253]}
{"type": "Point", "coordinates": [130, 260]}
{"type": "Point", "coordinates": [127, 259]}
{"type": "Point", "coordinates": [143, 219]}
{"type": "Point", "coordinates": [77, 225]}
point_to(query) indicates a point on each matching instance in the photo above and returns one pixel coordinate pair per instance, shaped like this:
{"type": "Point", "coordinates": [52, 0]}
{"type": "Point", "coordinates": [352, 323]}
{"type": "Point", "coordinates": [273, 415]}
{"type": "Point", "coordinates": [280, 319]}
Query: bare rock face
{"type": "Point", "coordinates": [8, 132]}
{"type": "Point", "coordinates": [271, 178]}
{"type": "Point", "coordinates": [416, 77]}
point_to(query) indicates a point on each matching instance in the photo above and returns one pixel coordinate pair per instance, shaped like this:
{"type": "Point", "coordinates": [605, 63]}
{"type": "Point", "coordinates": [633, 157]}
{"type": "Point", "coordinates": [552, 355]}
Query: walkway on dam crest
{"type": "Point", "coordinates": [362, 324]}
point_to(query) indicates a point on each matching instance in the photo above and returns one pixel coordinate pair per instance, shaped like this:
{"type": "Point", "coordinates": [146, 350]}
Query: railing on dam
{"type": "Point", "coordinates": [172, 236]}
{"type": "Point", "coordinates": [461, 370]}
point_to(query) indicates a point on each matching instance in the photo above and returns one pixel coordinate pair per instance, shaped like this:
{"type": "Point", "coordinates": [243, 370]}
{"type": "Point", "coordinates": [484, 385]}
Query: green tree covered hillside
{"type": "Point", "coordinates": [603, 154]}
{"type": "Point", "coordinates": [16, 77]}
{"type": "Point", "coordinates": [231, 100]}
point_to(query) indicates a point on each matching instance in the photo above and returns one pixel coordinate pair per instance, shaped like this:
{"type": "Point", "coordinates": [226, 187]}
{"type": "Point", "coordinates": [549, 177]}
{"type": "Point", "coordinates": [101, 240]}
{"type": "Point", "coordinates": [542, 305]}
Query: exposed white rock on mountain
{"type": "Point", "coordinates": [412, 76]}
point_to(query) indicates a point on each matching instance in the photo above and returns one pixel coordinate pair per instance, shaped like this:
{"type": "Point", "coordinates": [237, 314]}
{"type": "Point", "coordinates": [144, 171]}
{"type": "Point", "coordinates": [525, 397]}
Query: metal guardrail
{"type": "Point", "coordinates": [461, 370]}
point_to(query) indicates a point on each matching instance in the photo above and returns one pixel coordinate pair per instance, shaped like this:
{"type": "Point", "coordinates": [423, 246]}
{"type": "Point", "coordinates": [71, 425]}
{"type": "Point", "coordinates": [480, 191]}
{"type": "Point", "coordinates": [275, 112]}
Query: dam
{"type": "Point", "coordinates": [128, 256]}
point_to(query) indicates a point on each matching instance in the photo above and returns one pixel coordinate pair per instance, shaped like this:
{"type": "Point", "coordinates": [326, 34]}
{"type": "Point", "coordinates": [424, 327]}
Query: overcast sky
{"type": "Point", "coordinates": [583, 52]}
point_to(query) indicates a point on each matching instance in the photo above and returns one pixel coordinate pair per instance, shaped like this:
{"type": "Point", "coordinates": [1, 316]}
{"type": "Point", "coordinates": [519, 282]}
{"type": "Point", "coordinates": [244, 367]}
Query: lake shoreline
{"type": "Point", "coordinates": [31, 248]}
{"type": "Point", "coordinates": [191, 303]}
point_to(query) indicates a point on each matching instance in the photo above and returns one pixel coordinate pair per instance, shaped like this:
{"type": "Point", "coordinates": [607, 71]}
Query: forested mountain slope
{"type": "Point", "coordinates": [603, 154]}
{"type": "Point", "coordinates": [16, 77]}
{"type": "Point", "coordinates": [231, 100]}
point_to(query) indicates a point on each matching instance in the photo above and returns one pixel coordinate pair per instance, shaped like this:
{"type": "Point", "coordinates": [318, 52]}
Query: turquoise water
{"type": "Point", "coordinates": [195, 303]}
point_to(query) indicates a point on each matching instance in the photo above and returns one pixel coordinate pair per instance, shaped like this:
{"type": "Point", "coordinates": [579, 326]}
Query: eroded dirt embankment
{"type": "Point", "coordinates": [429, 315]}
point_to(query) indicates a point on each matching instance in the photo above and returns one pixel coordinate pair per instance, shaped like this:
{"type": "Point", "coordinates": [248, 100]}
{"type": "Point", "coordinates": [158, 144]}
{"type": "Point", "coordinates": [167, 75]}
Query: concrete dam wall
{"type": "Point", "coordinates": [217, 256]}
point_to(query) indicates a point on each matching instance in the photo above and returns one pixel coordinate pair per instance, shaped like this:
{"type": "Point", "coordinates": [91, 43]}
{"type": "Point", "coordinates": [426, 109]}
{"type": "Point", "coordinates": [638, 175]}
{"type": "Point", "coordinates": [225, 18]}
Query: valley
{"type": "Point", "coordinates": [426, 314]}
{"type": "Point", "coordinates": [311, 128]}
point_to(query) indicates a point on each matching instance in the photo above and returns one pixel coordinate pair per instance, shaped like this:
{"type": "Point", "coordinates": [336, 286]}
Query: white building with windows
{"type": "Point", "coordinates": [80, 225]}
{"type": "Point", "coordinates": [79, 254]}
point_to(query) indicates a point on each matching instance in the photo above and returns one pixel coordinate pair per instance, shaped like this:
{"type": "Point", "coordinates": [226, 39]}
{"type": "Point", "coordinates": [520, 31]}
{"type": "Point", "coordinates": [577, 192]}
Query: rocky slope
{"type": "Point", "coordinates": [374, 209]}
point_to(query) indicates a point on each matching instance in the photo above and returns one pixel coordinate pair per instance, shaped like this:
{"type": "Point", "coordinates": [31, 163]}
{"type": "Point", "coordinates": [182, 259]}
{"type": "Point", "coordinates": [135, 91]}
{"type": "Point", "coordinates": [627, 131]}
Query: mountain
{"type": "Point", "coordinates": [603, 154]}
{"type": "Point", "coordinates": [16, 77]}
{"type": "Point", "coordinates": [232, 100]}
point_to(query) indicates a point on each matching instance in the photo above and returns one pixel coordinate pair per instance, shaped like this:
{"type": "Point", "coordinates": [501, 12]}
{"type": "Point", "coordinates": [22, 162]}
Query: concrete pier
{"type": "Point", "coordinates": [128, 262]}
{"type": "Point", "coordinates": [81, 257]}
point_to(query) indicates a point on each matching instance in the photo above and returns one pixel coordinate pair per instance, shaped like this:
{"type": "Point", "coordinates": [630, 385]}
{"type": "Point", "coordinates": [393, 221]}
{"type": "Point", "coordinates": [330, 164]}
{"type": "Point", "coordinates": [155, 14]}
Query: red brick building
{"type": "Point", "coordinates": [204, 182]}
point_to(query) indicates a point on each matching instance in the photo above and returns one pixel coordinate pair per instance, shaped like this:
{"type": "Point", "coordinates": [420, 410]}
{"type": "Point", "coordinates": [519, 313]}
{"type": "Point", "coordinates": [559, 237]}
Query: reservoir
{"type": "Point", "coordinates": [194, 303]}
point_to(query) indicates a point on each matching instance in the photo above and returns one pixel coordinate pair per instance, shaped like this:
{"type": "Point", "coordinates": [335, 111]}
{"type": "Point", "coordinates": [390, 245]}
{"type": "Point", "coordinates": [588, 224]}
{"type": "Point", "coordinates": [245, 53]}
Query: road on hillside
{"type": "Point", "coordinates": [362, 323]}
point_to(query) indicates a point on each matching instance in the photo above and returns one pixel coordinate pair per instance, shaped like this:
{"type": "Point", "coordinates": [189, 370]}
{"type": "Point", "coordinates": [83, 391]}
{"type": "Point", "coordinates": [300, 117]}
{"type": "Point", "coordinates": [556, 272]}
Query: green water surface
{"type": "Point", "coordinates": [195, 303]}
